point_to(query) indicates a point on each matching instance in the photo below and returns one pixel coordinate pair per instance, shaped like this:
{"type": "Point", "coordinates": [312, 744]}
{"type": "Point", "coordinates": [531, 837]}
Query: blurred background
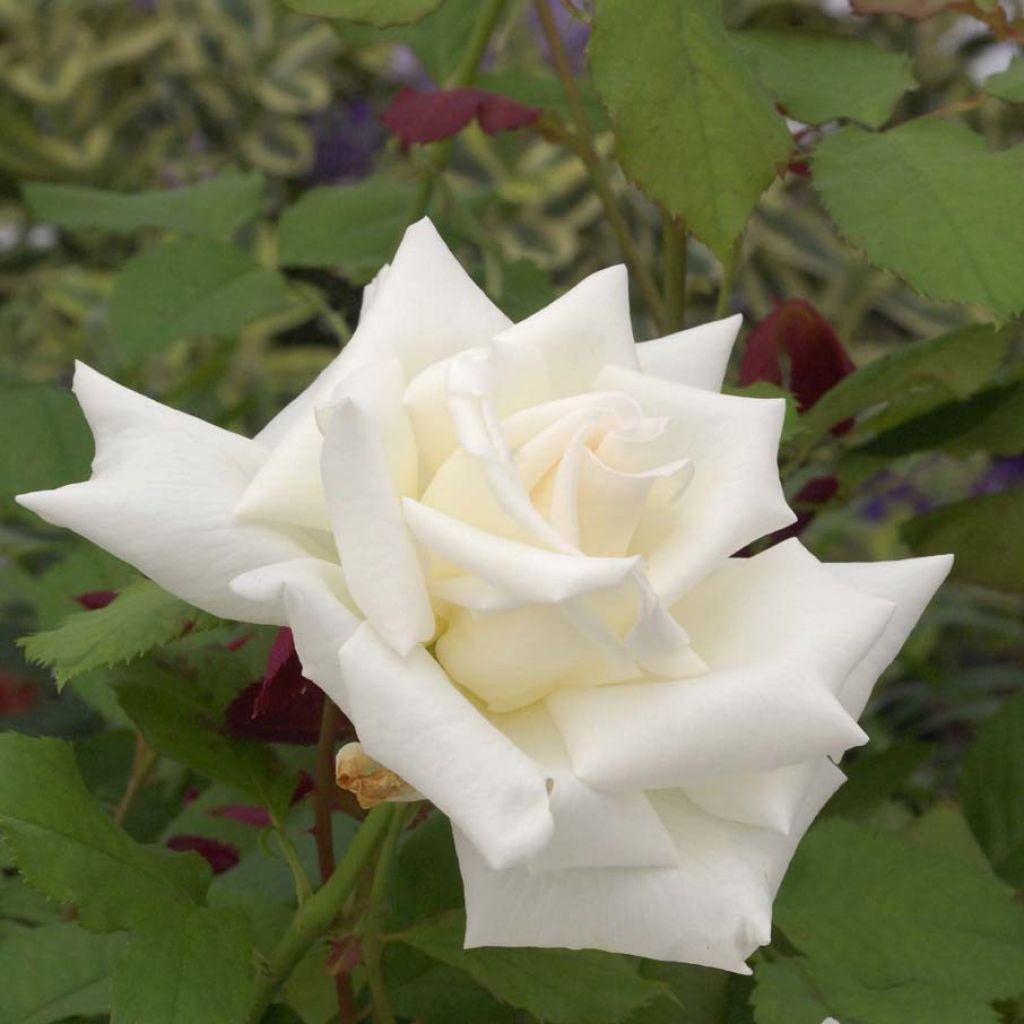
{"type": "Point", "coordinates": [283, 112]}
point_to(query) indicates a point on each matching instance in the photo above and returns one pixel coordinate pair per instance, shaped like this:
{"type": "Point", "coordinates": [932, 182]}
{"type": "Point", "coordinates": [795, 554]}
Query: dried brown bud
{"type": "Point", "coordinates": [370, 781]}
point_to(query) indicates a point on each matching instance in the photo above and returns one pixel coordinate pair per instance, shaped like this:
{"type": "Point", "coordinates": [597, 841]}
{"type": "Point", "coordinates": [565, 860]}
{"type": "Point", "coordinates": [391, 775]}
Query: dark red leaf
{"type": "Point", "coordinates": [428, 116]}
{"type": "Point", "coordinates": [247, 814]}
{"type": "Point", "coordinates": [796, 347]}
{"type": "Point", "coordinates": [296, 722]}
{"type": "Point", "coordinates": [303, 788]}
{"type": "Point", "coordinates": [220, 856]}
{"type": "Point", "coordinates": [93, 600]}
{"type": "Point", "coordinates": [238, 642]}
{"type": "Point", "coordinates": [17, 694]}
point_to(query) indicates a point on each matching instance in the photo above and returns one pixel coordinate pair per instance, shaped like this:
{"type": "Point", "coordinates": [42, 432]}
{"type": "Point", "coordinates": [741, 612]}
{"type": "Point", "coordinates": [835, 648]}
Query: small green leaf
{"type": "Point", "coordinates": [913, 379]}
{"type": "Point", "coordinates": [696, 995]}
{"type": "Point", "coordinates": [693, 126]}
{"type": "Point", "coordinates": [192, 966]}
{"type": "Point", "coordinates": [932, 202]}
{"type": "Point", "coordinates": [558, 986]}
{"type": "Point", "coordinates": [217, 207]}
{"type": "Point", "coordinates": [69, 849]}
{"type": "Point", "coordinates": [176, 721]}
{"type": "Point", "coordinates": [891, 930]}
{"type": "Point", "coordinates": [187, 288]}
{"type": "Point", "coordinates": [141, 617]}
{"type": "Point", "coordinates": [876, 777]}
{"type": "Point", "coordinates": [986, 534]}
{"type": "Point", "coordinates": [1009, 84]}
{"type": "Point", "coordinates": [354, 228]}
{"type": "Point", "coordinates": [379, 13]}
{"type": "Point", "coordinates": [60, 448]}
{"type": "Point", "coordinates": [56, 971]}
{"type": "Point", "coordinates": [817, 76]}
{"type": "Point", "coordinates": [992, 790]}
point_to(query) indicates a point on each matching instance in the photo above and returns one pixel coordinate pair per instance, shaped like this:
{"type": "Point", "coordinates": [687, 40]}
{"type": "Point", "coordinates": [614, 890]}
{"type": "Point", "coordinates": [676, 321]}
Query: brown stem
{"type": "Point", "coordinates": [143, 762]}
{"type": "Point", "coordinates": [595, 167]}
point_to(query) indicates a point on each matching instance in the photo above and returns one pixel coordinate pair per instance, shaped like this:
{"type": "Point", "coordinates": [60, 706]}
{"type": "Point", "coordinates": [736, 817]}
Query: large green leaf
{"type": "Point", "coordinates": [379, 13]}
{"type": "Point", "coordinates": [177, 721]}
{"type": "Point", "coordinates": [693, 126]}
{"type": "Point", "coordinates": [354, 228]}
{"type": "Point", "coordinates": [56, 971]}
{"type": "Point", "coordinates": [143, 616]}
{"type": "Point", "coordinates": [930, 201]}
{"type": "Point", "coordinates": [215, 207]}
{"type": "Point", "coordinates": [56, 445]}
{"type": "Point", "coordinates": [914, 379]}
{"type": "Point", "coordinates": [68, 848]}
{"type": "Point", "coordinates": [890, 930]}
{"type": "Point", "coordinates": [193, 966]}
{"type": "Point", "coordinates": [986, 534]}
{"type": "Point", "coordinates": [705, 996]}
{"type": "Point", "coordinates": [817, 76]}
{"type": "Point", "coordinates": [558, 986]}
{"type": "Point", "coordinates": [191, 287]}
{"type": "Point", "coordinates": [992, 790]}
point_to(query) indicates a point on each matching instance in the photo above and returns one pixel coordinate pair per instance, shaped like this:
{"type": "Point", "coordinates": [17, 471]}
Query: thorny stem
{"type": "Point", "coordinates": [463, 76]}
{"type": "Point", "coordinates": [371, 940]}
{"type": "Point", "coordinates": [319, 912]}
{"type": "Point", "coordinates": [587, 151]}
{"type": "Point", "coordinates": [322, 795]}
{"type": "Point", "coordinates": [143, 763]}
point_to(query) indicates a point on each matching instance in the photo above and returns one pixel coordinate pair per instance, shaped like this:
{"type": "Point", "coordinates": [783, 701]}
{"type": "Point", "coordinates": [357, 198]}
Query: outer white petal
{"type": "Point", "coordinates": [580, 332]}
{"type": "Point", "coordinates": [592, 828]}
{"type": "Point", "coordinates": [714, 909]}
{"type": "Point", "coordinates": [412, 719]}
{"type": "Point", "coordinates": [780, 635]}
{"type": "Point", "coordinates": [378, 557]}
{"type": "Point", "coordinates": [735, 495]}
{"type": "Point", "coordinates": [161, 497]}
{"type": "Point", "coordinates": [910, 584]}
{"type": "Point", "coordinates": [697, 357]}
{"type": "Point", "coordinates": [309, 595]}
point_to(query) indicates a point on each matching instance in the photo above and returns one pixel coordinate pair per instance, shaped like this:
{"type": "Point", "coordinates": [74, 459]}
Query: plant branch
{"type": "Point", "coordinates": [320, 911]}
{"type": "Point", "coordinates": [463, 76]}
{"type": "Point", "coordinates": [143, 762]}
{"type": "Point", "coordinates": [674, 253]}
{"type": "Point", "coordinates": [596, 169]}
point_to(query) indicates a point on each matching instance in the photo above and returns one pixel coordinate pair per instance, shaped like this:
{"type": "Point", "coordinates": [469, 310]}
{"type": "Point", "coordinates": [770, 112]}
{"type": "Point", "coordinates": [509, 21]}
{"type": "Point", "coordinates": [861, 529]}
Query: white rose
{"type": "Point", "coordinates": [504, 551]}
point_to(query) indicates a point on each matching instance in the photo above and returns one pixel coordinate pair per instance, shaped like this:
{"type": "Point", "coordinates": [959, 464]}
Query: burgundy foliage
{"type": "Point", "coordinates": [421, 116]}
{"type": "Point", "coordinates": [220, 856]}
{"type": "Point", "coordinates": [93, 600]}
{"type": "Point", "coordinates": [17, 694]}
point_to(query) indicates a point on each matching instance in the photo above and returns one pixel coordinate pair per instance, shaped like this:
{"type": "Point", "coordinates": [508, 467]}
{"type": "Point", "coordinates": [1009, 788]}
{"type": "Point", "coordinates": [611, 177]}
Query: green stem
{"type": "Point", "coordinates": [463, 76]}
{"type": "Point", "coordinates": [674, 251]}
{"type": "Point", "coordinates": [143, 763]}
{"type": "Point", "coordinates": [371, 939]}
{"type": "Point", "coordinates": [303, 890]}
{"type": "Point", "coordinates": [729, 265]}
{"type": "Point", "coordinates": [596, 169]}
{"type": "Point", "coordinates": [319, 912]}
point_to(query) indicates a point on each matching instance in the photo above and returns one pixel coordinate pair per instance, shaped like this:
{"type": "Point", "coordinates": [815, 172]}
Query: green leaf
{"type": "Point", "coordinates": [693, 127]}
{"type": "Point", "coordinates": [930, 201]}
{"type": "Point", "coordinates": [1009, 84]}
{"type": "Point", "coordinates": [539, 88]}
{"type": "Point", "coordinates": [876, 777]}
{"type": "Point", "coordinates": [992, 421]}
{"type": "Point", "coordinates": [354, 228]}
{"type": "Point", "coordinates": [379, 13]}
{"type": "Point", "coordinates": [69, 849]}
{"type": "Point", "coordinates": [890, 931]}
{"type": "Point", "coordinates": [194, 286]}
{"type": "Point", "coordinates": [986, 534]}
{"type": "Point", "coordinates": [706, 996]}
{"type": "Point", "coordinates": [193, 966]}
{"type": "Point", "coordinates": [217, 207]}
{"type": "Point", "coordinates": [61, 446]}
{"type": "Point", "coordinates": [817, 76]}
{"type": "Point", "coordinates": [558, 986]}
{"type": "Point", "coordinates": [143, 616]}
{"type": "Point", "coordinates": [56, 971]}
{"type": "Point", "coordinates": [525, 288]}
{"type": "Point", "coordinates": [992, 790]}
{"type": "Point", "coordinates": [176, 721]}
{"type": "Point", "coordinates": [914, 379]}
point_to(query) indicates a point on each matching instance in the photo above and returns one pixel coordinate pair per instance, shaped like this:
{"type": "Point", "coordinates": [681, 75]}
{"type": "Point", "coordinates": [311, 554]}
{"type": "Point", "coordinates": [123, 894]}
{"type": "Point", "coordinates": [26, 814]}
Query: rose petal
{"type": "Point", "coordinates": [714, 909]}
{"type": "Point", "coordinates": [162, 495]}
{"type": "Point", "coordinates": [697, 357]}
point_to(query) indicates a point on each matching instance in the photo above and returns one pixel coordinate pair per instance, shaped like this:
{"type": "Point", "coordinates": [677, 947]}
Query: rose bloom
{"type": "Point", "coordinates": [507, 552]}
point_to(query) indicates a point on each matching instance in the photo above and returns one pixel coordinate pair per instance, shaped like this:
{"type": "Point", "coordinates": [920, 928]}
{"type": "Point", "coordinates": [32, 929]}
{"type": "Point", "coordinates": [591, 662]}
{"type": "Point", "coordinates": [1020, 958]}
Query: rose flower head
{"type": "Point", "coordinates": [505, 551]}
